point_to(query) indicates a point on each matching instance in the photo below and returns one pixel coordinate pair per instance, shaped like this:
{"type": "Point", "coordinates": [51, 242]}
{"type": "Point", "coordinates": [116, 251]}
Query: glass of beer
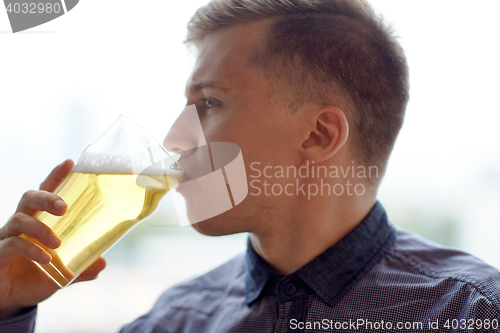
{"type": "Point", "coordinates": [117, 182]}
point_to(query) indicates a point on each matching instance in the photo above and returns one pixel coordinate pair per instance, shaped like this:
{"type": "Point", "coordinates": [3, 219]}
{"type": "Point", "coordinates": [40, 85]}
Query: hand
{"type": "Point", "coordinates": [22, 284]}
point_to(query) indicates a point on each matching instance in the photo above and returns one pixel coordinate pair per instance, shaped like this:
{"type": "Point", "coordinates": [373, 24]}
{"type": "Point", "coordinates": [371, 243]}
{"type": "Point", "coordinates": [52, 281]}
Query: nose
{"type": "Point", "coordinates": [186, 132]}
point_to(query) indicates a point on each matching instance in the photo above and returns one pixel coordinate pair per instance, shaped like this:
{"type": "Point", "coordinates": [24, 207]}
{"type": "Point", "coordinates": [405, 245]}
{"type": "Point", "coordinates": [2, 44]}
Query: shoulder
{"type": "Point", "coordinates": [208, 285]}
{"type": "Point", "coordinates": [418, 260]}
{"type": "Point", "coordinates": [421, 280]}
{"type": "Point", "coordinates": [191, 306]}
{"type": "Point", "coordinates": [439, 261]}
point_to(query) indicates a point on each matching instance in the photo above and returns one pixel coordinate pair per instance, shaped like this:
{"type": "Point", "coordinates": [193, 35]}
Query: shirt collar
{"type": "Point", "coordinates": [332, 273]}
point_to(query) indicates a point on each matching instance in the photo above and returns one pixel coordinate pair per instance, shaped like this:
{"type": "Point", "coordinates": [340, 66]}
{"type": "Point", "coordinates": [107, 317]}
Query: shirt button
{"type": "Point", "coordinates": [289, 289]}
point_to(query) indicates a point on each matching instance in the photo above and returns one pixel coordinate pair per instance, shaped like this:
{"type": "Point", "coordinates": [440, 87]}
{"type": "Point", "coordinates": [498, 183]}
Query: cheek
{"type": "Point", "coordinates": [217, 128]}
{"type": "Point", "coordinates": [261, 137]}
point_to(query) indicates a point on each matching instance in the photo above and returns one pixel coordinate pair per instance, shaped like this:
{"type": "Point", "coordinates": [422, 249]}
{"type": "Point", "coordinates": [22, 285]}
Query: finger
{"type": "Point", "coordinates": [21, 223]}
{"type": "Point", "coordinates": [33, 201]}
{"type": "Point", "coordinates": [20, 246]}
{"type": "Point", "coordinates": [57, 176]}
{"type": "Point", "coordinates": [92, 272]}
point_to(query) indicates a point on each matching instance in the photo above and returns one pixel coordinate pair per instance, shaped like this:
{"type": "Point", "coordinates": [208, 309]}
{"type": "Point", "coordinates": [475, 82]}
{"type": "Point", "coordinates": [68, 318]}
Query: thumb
{"type": "Point", "coordinates": [93, 270]}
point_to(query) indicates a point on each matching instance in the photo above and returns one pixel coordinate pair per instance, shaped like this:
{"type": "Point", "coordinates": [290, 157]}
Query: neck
{"type": "Point", "coordinates": [306, 232]}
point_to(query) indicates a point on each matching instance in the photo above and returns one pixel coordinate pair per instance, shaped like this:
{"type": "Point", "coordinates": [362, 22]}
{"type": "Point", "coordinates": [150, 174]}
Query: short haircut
{"type": "Point", "coordinates": [327, 52]}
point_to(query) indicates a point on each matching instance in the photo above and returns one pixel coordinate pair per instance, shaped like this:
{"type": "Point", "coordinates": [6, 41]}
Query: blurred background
{"type": "Point", "coordinates": [63, 83]}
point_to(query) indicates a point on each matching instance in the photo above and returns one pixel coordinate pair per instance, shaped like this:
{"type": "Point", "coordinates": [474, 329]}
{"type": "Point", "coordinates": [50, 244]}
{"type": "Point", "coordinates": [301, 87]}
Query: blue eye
{"type": "Point", "coordinates": [210, 104]}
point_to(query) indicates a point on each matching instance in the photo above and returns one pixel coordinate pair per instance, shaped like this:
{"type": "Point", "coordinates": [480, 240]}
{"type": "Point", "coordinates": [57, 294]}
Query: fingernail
{"type": "Point", "coordinates": [59, 204]}
{"type": "Point", "coordinates": [45, 257]}
{"type": "Point", "coordinates": [54, 240]}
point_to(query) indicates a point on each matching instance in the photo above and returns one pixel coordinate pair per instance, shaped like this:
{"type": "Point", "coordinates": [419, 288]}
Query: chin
{"type": "Point", "coordinates": [236, 220]}
{"type": "Point", "coordinates": [227, 223]}
{"type": "Point", "coordinates": [216, 226]}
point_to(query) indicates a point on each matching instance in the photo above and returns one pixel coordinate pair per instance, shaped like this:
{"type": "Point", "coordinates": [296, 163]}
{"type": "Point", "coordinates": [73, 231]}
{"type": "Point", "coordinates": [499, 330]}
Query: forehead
{"type": "Point", "coordinates": [224, 57]}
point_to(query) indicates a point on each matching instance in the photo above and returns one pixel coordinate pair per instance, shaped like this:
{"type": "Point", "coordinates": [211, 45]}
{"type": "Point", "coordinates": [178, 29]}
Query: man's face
{"type": "Point", "coordinates": [235, 105]}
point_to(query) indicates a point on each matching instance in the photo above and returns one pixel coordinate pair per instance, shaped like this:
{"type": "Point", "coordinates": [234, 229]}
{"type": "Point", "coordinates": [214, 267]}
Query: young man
{"type": "Point", "coordinates": [308, 90]}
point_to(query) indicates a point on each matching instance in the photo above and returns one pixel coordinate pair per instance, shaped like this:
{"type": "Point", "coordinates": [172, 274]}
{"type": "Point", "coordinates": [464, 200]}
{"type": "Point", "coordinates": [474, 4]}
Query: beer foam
{"type": "Point", "coordinates": [108, 163]}
{"type": "Point", "coordinates": [115, 164]}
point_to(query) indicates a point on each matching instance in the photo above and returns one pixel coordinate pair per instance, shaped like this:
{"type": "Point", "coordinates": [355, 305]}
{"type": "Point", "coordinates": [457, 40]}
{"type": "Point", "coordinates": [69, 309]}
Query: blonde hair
{"type": "Point", "coordinates": [326, 52]}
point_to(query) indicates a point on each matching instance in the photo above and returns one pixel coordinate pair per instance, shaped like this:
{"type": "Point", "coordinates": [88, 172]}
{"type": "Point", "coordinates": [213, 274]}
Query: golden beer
{"type": "Point", "coordinates": [101, 209]}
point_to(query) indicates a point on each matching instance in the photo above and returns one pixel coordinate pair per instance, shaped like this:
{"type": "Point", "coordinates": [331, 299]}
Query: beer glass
{"type": "Point", "coordinates": [118, 181]}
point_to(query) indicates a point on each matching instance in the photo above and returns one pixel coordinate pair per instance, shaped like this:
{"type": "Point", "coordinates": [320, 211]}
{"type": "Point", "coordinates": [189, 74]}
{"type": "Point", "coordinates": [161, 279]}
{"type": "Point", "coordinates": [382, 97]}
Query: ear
{"type": "Point", "coordinates": [328, 132]}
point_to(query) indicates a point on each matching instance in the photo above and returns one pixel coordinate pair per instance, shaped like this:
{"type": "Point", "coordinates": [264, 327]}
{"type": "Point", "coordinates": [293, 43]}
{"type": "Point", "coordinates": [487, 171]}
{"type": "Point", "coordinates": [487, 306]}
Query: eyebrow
{"type": "Point", "coordinates": [209, 84]}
